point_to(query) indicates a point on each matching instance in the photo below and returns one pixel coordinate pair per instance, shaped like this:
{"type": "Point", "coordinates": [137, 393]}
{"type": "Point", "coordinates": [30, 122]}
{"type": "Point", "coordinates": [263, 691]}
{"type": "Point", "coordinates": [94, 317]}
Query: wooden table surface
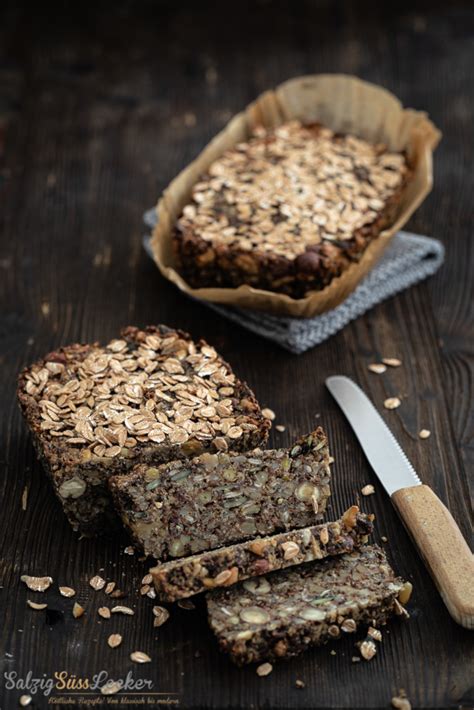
{"type": "Point", "coordinates": [100, 106]}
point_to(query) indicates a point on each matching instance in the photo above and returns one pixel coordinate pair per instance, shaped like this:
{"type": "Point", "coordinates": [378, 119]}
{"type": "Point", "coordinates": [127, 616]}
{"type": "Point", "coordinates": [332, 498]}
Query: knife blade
{"type": "Point", "coordinates": [383, 451]}
{"type": "Point", "coordinates": [426, 518]}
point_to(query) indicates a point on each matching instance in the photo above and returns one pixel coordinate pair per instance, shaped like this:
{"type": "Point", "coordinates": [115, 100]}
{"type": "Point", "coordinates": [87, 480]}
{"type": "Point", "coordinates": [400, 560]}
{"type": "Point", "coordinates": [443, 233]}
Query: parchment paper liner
{"type": "Point", "coordinates": [345, 104]}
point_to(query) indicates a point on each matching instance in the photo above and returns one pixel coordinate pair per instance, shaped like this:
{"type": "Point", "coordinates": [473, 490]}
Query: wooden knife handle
{"type": "Point", "coordinates": [443, 548]}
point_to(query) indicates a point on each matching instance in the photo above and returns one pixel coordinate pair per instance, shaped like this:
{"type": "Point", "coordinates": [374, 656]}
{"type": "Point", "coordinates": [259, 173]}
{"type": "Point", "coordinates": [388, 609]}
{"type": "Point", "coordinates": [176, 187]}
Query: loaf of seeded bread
{"type": "Point", "coordinates": [213, 500]}
{"type": "Point", "coordinates": [288, 210]}
{"type": "Point", "coordinates": [282, 614]}
{"type": "Point", "coordinates": [149, 396]}
{"type": "Point", "coordinates": [226, 566]}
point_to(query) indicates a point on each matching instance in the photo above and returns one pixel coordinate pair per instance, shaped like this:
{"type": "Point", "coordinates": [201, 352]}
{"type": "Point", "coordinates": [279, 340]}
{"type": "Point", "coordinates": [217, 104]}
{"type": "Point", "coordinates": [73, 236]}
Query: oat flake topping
{"type": "Point", "coordinates": [127, 393]}
{"type": "Point", "coordinates": [293, 187]}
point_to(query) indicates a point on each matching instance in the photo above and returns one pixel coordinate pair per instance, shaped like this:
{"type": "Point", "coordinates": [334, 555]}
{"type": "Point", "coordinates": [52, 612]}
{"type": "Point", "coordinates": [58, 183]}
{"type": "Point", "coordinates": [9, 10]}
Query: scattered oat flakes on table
{"type": "Point", "coordinates": [368, 649]}
{"type": "Point", "coordinates": [36, 584]}
{"type": "Point", "coordinates": [77, 610]}
{"type": "Point", "coordinates": [392, 361]}
{"type": "Point", "coordinates": [67, 591]}
{"type": "Point", "coordinates": [377, 367]}
{"type": "Point", "coordinates": [268, 413]}
{"type": "Point", "coordinates": [264, 669]}
{"type": "Point", "coordinates": [122, 610]}
{"type": "Point", "coordinates": [36, 605]}
{"type": "Point", "coordinates": [424, 433]}
{"type": "Point", "coordinates": [392, 403]}
{"type": "Point", "coordinates": [140, 657]}
{"type": "Point", "coordinates": [114, 640]}
{"type": "Point", "coordinates": [97, 582]}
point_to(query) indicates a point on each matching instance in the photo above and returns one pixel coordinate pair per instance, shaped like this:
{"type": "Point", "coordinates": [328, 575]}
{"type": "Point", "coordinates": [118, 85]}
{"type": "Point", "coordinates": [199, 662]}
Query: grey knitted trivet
{"type": "Point", "coordinates": [409, 258]}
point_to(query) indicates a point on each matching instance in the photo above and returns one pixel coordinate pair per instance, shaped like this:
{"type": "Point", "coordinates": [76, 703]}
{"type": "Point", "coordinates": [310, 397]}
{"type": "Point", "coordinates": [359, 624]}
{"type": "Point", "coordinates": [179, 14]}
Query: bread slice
{"type": "Point", "coordinates": [225, 566]}
{"type": "Point", "coordinates": [282, 614]}
{"type": "Point", "coordinates": [213, 500]}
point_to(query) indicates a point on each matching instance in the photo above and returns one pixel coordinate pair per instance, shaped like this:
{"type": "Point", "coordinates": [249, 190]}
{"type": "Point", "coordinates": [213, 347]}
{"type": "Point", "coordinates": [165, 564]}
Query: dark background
{"type": "Point", "coordinates": [101, 105]}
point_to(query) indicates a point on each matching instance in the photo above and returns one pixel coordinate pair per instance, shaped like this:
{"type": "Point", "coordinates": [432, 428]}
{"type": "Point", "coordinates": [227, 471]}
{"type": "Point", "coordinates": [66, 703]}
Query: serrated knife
{"type": "Point", "coordinates": [429, 523]}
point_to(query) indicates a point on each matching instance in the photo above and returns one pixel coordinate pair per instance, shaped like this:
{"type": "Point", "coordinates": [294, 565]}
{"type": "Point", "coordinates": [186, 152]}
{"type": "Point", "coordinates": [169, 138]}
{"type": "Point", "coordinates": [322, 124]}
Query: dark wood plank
{"type": "Point", "coordinates": [100, 106]}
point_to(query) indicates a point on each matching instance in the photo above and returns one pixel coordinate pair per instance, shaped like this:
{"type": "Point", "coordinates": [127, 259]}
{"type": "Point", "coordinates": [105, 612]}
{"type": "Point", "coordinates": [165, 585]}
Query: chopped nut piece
{"type": "Point", "coordinates": [300, 683]}
{"type": "Point", "coordinates": [109, 588]}
{"type": "Point", "coordinates": [392, 361]}
{"type": "Point", "coordinates": [392, 403]}
{"type": "Point", "coordinates": [377, 367]}
{"type": "Point", "coordinates": [67, 591]}
{"type": "Point", "coordinates": [268, 413]}
{"type": "Point", "coordinates": [77, 610]}
{"type": "Point", "coordinates": [36, 584]}
{"type": "Point", "coordinates": [130, 550]}
{"type": "Point", "coordinates": [35, 605]}
{"type": "Point", "coordinates": [140, 657]}
{"type": "Point", "coordinates": [384, 538]}
{"type": "Point", "coordinates": [376, 634]}
{"type": "Point", "coordinates": [114, 640]}
{"type": "Point", "coordinates": [349, 518]}
{"type": "Point", "coordinates": [186, 604]}
{"type": "Point", "coordinates": [111, 687]}
{"type": "Point", "coordinates": [424, 433]}
{"type": "Point", "coordinates": [368, 490]}
{"type": "Point", "coordinates": [280, 427]}
{"type": "Point", "coordinates": [104, 612]}
{"type": "Point", "coordinates": [405, 593]}
{"type": "Point", "coordinates": [25, 700]}
{"type": "Point", "coordinates": [151, 594]}
{"type": "Point", "coordinates": [161, 615]}
{"type": "Point", "coordinates": [368, 649]}
{"type": "Point", "coordinates": [122, 610]}
{"type": "Point", "coordinates": [97, 582]}
{"type": "Point", "coordinates": [264, 669]}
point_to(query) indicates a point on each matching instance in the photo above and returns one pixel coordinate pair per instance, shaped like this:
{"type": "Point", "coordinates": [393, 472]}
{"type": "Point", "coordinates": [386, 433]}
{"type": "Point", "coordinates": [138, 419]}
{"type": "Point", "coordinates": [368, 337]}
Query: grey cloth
{"type": "Point", "coordinates": [409, 258]}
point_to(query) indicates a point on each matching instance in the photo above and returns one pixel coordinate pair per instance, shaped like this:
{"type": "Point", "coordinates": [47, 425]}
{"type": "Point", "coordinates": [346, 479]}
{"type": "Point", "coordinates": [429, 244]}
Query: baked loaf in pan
{"type": "Point", "coordinates": [213, 500]}
{"type": "Point", "coordinates": [288, 210]}
{"type": "Point", "coordinates": [226, 566]}
{"type": "Point", "coordinates": [151, 395]}
{"type": "Point", "coordinates": [282, 614]}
